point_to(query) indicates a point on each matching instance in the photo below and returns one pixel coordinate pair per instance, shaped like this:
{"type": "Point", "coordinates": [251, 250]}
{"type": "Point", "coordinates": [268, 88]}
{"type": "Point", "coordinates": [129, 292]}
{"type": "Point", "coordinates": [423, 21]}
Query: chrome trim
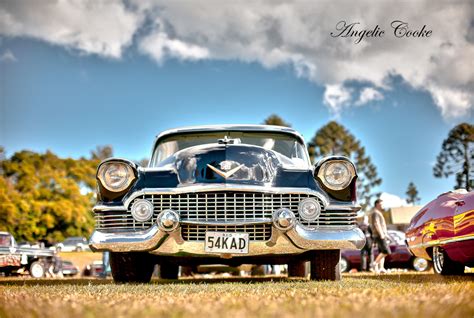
{"type": "Point", "coordinates": [106, 208]}
{"type": "Point", "coordinates": [226, 187]}
{"type": "Point", "coordinates": [327, 239]}
{"type": "Point", "coordinates": [296, 240]}
{"type": "Point", "coordinates": [443, 242]}
{"type": "Point", "coordinates": [128, 242]}
{"type": "Point", "coordinates": [351, 207]}
{"type": "Point", "coordinates": [227, 223]}
{"type": "Point", "coordinates": [236, 127]}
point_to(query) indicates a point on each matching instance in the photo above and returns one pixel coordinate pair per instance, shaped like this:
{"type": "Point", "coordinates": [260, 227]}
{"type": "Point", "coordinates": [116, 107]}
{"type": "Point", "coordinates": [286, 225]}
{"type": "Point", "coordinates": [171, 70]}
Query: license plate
{"type": "Point", "coordinates": [223, 242]}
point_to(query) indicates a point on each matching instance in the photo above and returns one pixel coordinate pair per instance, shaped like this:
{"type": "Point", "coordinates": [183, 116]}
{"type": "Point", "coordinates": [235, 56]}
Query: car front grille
{"type": "Point", "coordinates": [221, 206]}
{"type": "Point", "coordinates": [256, 232]}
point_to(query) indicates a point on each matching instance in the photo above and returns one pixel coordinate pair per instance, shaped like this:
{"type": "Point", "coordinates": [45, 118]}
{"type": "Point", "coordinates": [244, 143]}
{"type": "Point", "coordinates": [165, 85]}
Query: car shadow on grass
{"type": "Point", "coordinates": [154, 281]}
{"type": "Point", "coordinates": [414, 277]}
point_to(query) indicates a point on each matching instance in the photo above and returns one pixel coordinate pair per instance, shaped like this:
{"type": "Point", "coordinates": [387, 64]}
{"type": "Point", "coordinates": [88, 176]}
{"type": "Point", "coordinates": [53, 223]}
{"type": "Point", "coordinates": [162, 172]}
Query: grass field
{"type": "Point", "coordinates": [357, 295]}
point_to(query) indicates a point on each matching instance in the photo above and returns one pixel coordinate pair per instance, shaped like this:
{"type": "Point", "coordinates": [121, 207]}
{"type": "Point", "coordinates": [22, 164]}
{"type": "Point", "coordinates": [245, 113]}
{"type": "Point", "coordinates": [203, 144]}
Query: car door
{"type": "Point", "coordinates": [464, 216]}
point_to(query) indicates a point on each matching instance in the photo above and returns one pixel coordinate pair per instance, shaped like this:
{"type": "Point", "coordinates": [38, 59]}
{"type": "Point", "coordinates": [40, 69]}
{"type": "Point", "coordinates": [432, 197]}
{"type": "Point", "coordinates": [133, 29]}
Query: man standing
{"type": "Point", "coordinates": [379, 234]}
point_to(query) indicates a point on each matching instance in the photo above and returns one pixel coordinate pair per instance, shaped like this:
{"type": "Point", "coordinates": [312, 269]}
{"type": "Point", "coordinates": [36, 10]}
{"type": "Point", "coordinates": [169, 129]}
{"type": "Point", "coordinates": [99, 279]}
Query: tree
{"type": "Point", "coordinates": [275, 120]}
{"type": "Point", "coordinates": [335, 139]}
{"type": "Point", "coordinates": [41, 197]}
{"type": "Point", "coordinates": [144, 162]}
{"type": "Point", "coordinates": [102, 152]}
{"type": "Point", "coordinates": [457, 156]}
{"type": "Point", "coordinates": [412, 194]}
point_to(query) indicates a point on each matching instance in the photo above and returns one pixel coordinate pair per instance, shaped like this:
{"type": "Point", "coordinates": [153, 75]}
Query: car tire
{"type": "Point", "coordinates": [297, 269]}
{"type": "Point", "coordinates": [79, 249]}
{"type": "Point", "coordinates": [420, 264]}
{"type": "Point", "coordinates": [344, 264]}
{"type": "Point", "coordinates": [36, 269]}
{"type": "Point", "coordinates": [131, 267]}
{"type": "Point", "coordinates": [169, 271]}
{"type": "Point", "coordinates": [443, 265]}
{"type": "Point", "coordinates": [326, 265]}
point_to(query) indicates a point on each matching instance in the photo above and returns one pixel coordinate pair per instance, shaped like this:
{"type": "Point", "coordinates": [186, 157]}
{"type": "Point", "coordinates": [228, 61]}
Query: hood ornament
{"type": "Point", "coordinates": [226, 171]}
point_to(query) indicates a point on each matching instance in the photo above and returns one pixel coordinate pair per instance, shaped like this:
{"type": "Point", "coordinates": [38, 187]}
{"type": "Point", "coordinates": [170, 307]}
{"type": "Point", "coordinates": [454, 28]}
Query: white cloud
{"type": "Point", "coordinates": [337, 97]}
{"type": "Point", "coordinates": [392, 201]}
{"type": "Point", "coordinates": [368, 94]}
{"type": "Point", "coordinates": [7, 56]}
{"type": "Point", "coordinates": [160, 46]}
{"type": "Point", "coordinates": [98, 27]}
{"type": "Point", "coordinates": [275, 34]}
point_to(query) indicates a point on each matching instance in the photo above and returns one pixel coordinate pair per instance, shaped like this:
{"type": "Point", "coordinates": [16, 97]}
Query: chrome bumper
{"type": "Point", "coordinates": [294, 241]}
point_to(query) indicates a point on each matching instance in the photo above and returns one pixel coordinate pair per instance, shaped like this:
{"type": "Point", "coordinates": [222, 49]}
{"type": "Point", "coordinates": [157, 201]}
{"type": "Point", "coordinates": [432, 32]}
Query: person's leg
{"type": "Point", "coordinates": [382, 264]}
{"type": "Point", "coordinates": [378, 263]}
{"type": "Point", "coordinates": [363, 259]}
{"type": "Point", "coordinates": [371, 258]}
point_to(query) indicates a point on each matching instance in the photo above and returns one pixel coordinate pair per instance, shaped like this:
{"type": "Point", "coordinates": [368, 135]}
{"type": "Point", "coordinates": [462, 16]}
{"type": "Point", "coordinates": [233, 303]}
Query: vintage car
{"type": "Point", "coordinates": [73, 244]}
{"type": "Point", "coordinates": [15, 259]}
{"type": "Point", "coordinates": [443, 231]}
{"type": "Point", "coordinates": [399, 258]}
{"type": "Point", "coordinates": [236, 194]}
{"type": "Point", "coordinates": [69, 269]}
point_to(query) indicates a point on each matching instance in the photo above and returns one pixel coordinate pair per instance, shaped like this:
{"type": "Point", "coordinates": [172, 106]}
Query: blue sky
{"type": "Point", "coordinates": [71, 95]}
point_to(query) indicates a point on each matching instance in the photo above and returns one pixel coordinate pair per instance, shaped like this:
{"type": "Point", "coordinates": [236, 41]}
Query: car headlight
{"type": "Point", "coordinates": [336, 174]}
{"type": "Point", "coordinates": [309, 209]}
{"type": "Point", "coordinates": [115, 176]}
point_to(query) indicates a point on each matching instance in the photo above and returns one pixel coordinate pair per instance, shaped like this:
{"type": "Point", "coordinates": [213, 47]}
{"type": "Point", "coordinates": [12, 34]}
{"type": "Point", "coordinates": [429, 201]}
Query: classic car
{"type": "Point", "coordinates": [94, 269]}
{"type": "Point", "coordinates": [400, 257]}
{"type": "Point", "coordinates": [69, 269]}
{"type": "Point", "coordinates": [14, 259]}
{"type": "Point", "coordinates": [443, 231]}
{"type": "Point", "coordinates": [235, 194]}
{"type": "Point", "coordinates": [73, 244]}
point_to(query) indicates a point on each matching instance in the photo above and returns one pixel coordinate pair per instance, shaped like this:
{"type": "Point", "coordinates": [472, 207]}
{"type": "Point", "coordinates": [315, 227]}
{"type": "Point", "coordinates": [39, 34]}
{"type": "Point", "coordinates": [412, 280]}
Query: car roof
{"type": "Point", "coordinates": [243, 127]}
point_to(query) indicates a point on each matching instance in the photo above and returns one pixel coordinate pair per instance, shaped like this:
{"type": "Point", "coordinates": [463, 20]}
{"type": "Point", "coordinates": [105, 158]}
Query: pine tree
{"type": "Point", "coordinates": [276, 121]}
{"type": "Point", "coordinates": [412, 194]}
{"type": "Point", "coordinates": [457, 156]}
{"type": "Point", "coordinates": [102, 152]}
{"type": "Point", "coordinates": [335, 139]}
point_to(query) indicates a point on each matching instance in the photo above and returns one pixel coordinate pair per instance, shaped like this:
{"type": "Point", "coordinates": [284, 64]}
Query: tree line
{"type": "Point", "coordinates": [43, 196]}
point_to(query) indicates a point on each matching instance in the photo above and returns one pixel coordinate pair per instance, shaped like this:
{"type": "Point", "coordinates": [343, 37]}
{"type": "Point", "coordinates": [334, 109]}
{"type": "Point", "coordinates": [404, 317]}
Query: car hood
{"type": "Point", "coordinates": [230, 163]}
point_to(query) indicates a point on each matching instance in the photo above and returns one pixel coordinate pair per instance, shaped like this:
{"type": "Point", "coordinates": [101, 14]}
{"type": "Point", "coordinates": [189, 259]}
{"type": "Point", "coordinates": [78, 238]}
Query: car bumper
{"type": "Point", "coordinates": [294, 241]}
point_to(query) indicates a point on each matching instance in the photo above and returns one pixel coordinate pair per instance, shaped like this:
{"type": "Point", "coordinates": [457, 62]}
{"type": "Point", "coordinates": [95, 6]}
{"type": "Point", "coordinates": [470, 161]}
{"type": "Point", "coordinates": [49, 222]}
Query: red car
{"type": "Point", "coordinates": [400, 257]}
{"type": "Point", "coordinates": [443, 231]}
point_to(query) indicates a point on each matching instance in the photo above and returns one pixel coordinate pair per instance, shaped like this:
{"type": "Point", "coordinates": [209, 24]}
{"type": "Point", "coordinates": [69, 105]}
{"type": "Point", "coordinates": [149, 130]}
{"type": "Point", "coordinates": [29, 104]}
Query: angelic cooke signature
{"type": "Point", "coordinates": [400, 29]}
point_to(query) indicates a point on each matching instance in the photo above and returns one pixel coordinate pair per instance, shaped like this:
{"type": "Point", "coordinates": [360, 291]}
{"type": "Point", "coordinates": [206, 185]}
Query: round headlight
{"type": "Point", "coordinates": [142, 210]}
{"type": "Point", "coordinates": [309, 209]}
{"type": "Point", "coordinates": [336, 175]}
{"type": "Point", "coordinates": [115, 176]}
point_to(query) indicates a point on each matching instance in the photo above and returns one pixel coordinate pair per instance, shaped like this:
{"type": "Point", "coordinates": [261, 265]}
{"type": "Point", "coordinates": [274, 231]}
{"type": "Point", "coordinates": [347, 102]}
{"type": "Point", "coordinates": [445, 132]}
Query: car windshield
{"type": "Point", "coordinates": [285, 145]}
{"type": "Point", "coordinates": [5, 240]}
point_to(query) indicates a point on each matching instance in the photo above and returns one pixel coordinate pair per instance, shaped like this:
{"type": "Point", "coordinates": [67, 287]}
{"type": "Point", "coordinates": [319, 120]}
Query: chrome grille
{"type": "Point", "coordinates": [257, 232]}
{"type": "Point", "coordinates": [222, 206]}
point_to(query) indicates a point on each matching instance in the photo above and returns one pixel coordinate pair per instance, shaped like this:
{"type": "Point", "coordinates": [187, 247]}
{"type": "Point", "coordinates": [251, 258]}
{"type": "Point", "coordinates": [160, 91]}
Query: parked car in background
{"type": "Point", "coordinates": [232, 195]}
{"type": "Point", "coordinates": [73, 244]}
{"type": "Point", "coordinates": [400, 257]}
{"type": "Point", "coordinates": [443, 231]}
{"type": "Point", "coordinates": [69, 269]}
{"type": "Point", "coordinates": [15, 259]}
{"type": "Point", "coordinates": [94, 269]}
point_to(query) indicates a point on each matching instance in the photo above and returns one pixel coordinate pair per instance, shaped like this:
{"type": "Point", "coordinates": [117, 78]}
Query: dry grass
{"type": "Point", "coordinates": [394, 295]}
